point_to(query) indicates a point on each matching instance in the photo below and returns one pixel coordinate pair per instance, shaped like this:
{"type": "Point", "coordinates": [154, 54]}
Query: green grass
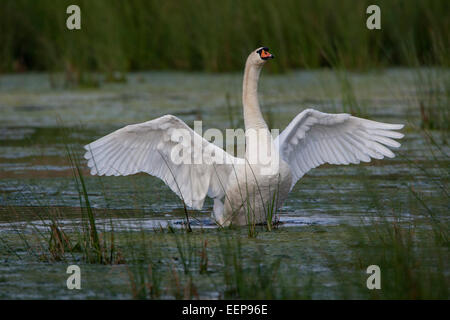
{"type": "Point", "coordinates": [118, 36]}
{"type": "Point", "coordinates": [405, 248]}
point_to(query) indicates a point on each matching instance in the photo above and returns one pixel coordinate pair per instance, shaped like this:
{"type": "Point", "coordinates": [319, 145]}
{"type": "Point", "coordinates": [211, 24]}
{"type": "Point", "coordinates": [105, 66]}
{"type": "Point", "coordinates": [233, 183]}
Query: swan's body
{"type": "Point", "coordinates": [244, 190]}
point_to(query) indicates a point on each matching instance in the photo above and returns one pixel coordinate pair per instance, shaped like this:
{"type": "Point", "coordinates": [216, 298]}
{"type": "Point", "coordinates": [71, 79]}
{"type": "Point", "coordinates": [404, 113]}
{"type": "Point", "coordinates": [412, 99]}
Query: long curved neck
{"type": "Point", "coordinates": [252, 113]}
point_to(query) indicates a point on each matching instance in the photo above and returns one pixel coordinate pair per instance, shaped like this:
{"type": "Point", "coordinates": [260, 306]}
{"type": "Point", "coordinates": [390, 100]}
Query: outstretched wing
{"type": "Point", "coordinates": [314, 138]}
{"type": "Point", "coordinates": [168, 149]}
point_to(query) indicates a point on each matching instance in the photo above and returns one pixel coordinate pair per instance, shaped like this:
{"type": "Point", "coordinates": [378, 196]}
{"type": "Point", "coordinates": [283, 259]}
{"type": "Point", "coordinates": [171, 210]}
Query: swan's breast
{"type": "Point", "coordinates": [259, 179]}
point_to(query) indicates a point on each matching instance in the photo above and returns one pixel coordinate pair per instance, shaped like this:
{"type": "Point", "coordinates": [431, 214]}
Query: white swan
{"type": "Point", "coordinates": [244, 190]}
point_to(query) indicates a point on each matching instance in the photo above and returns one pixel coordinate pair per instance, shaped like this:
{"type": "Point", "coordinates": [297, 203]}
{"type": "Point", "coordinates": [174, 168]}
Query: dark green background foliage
{"type": "Point", "coordinates": [217, 35]}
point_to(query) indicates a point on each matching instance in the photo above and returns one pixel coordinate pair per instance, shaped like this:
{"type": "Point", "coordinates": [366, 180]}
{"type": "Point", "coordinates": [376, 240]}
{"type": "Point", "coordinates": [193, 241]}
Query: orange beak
{"type": "Point", "coordinates": [266, 54]}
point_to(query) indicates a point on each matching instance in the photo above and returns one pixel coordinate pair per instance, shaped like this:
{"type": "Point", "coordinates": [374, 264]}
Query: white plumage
{"type": "Point", "coordinates": [314, 138]}
{"type": "Point", "coordinates": [243, 192]}
{"type": "Point", "coordinates": [147, 147]}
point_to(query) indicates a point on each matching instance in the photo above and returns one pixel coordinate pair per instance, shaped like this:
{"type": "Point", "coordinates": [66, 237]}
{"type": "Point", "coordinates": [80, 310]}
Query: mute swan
{"type": "Point", "coordinates": [244, 191]}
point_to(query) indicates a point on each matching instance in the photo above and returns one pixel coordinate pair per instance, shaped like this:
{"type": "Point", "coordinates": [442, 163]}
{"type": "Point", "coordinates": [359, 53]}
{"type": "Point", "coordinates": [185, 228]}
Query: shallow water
{"type": "Point", "coordinates": [35, 174]}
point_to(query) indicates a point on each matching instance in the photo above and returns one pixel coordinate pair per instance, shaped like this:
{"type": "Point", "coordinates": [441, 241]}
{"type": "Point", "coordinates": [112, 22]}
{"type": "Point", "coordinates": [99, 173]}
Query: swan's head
{"type": "Point", "coordinates": [260, 56]}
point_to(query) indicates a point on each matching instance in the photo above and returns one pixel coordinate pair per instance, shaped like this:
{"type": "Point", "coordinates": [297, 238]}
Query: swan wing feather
{"type": "Point", "coordinates": [314, 138]}
{"type": "Point", "coordinates": [166, 148]}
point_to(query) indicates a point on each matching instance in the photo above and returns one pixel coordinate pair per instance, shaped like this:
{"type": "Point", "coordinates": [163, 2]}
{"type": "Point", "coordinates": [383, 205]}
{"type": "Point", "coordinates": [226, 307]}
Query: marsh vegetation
{"type": "Point", "coordinates": [121, 36]}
